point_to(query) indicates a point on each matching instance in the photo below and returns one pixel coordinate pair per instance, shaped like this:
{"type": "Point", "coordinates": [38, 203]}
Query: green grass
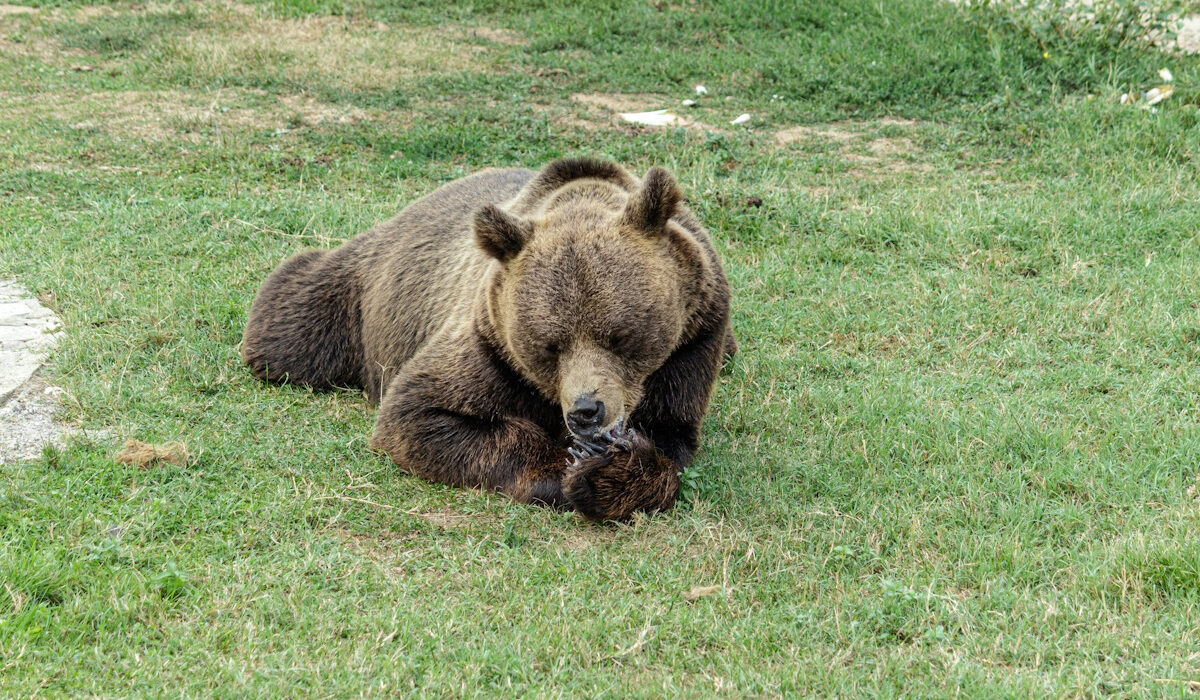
{"type": "Point", "coordinates": [954, 455]}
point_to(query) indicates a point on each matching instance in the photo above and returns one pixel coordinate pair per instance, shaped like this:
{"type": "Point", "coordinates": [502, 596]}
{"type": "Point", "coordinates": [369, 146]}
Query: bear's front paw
{"type": "Point", "coordinates": [618, 473]}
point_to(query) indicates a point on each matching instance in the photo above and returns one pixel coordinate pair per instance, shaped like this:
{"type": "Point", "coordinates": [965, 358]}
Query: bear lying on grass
{"type": "Point", "coordinates": [554, 336]}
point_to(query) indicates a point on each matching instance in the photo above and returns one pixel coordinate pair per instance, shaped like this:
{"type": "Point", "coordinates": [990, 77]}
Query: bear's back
{"type": "Point", "coordinates": [421, 269]}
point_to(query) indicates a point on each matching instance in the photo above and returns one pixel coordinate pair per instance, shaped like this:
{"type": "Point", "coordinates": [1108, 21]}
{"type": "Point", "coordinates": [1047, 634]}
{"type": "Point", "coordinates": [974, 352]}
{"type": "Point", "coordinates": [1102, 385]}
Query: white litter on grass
{"type": "Point", "coordinates": [741, 119]}
{"type": "Point", "coordinates": [689, 103]}
{"type": "Point", "coordinates": [1153, 96]}
{"type": "Point", "coordinates": [1157, 95]}
{"type": "Point", "coordinates": [701, 90]}
{"type": "Point", "coordinates": [659, 117]}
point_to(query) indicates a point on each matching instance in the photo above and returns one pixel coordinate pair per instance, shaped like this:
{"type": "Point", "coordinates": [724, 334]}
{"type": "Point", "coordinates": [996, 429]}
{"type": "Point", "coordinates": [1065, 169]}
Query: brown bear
{"type": "Point", "coordinates": [554, 336]}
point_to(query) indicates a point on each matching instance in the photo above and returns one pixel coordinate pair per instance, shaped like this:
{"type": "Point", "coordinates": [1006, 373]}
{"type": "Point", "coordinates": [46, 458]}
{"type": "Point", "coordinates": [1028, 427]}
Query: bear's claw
{"type": "Point", "coordinates": [610, 442]}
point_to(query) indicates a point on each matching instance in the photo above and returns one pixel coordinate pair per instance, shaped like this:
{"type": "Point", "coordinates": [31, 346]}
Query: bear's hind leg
{"type": "Point", "coordinates": [304, 324]}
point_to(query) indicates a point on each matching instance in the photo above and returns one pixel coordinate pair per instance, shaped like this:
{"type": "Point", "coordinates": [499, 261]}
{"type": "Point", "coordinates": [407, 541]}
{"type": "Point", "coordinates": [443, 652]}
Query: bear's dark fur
{"type": "Point", "coordinates": [492, 314]}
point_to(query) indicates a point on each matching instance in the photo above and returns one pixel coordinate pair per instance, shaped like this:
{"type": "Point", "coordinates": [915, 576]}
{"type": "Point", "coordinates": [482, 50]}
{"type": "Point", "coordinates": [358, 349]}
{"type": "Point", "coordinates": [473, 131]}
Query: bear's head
{"type": "Point", "coordinates": [594, 290]}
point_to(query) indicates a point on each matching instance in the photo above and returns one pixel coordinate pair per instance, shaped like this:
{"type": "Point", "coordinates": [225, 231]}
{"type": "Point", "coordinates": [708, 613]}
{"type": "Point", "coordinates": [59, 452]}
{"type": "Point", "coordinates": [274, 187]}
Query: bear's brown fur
{"type": "Point", "coordinates": [491, 314]}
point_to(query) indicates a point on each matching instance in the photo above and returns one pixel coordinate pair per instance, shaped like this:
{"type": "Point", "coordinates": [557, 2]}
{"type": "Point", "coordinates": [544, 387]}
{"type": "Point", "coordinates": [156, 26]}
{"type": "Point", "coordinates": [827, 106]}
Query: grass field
{"type": "Point", "coordinates": [958, 452]}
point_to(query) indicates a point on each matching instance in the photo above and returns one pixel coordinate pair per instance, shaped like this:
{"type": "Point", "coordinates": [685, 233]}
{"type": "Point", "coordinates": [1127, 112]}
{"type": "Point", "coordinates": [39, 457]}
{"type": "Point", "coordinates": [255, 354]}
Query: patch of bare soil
{"type": "Point", "coordinates": [622, 102]}
{"type": "Point", "coordinates": [583, 538]}
{"type": "Point", "coordinates": [446, 520]}
{"type": "Point", "coordinates": [179, 115]}
{"type": "Point", "coordinates": [356, 54]}
{"type": "Point", "coordinates": [492, 34]}
{"type": "Point", "coordinates": [32, 44]}
{"type": "Point", "coordinates": [829, 132]}
{"type": "Point", "coordinates": [313, 111]}
{"type": "Point", "coordinates": [855, 144]}
{"type": "Point", "coordinates": [603, 109]}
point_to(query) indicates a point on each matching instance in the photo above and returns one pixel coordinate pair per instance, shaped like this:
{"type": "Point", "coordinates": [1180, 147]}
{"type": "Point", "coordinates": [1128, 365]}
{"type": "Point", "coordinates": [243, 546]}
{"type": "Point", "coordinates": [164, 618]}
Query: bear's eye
{"type": "Point", "coordinates": [618, 342]}
{"type": "Point", "coordinates": [551, 350]}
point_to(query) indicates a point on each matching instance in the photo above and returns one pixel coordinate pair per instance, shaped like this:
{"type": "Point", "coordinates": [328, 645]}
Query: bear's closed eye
{"type": "Point", "coordinates": [618, 342]}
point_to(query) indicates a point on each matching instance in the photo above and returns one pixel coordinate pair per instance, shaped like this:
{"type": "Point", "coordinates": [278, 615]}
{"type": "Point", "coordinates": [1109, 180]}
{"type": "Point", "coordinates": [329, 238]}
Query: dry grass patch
{"type": "Point", "coordinates": [21, 38]}
{"type": "Point", "coordinates": [495, 35]}
{"type": "Point", "coordinates": [837, 133]}
{"type": "Point", "coordinates": [313, 111]}
{"type": "Point", "coordinates": [180, 115]}
{"type": "Point", "coordinates": [856, 143]}
{"type": "Point", "coordinates": [358, 55]}
{"type": "Point", "coordinates": [622, 102]}
{"type": "Point", "coordinates": [389, 551]}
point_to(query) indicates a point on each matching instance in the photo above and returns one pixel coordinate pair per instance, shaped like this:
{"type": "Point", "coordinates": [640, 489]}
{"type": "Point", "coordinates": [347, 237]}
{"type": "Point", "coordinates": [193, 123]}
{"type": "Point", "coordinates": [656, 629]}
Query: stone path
{"type": "Point", "coordinates": [28, 331]}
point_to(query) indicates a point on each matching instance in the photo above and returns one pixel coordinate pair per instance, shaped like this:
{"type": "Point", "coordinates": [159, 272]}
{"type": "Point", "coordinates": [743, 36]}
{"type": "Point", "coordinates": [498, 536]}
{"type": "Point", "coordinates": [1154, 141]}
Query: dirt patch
{"type": "Point", "coordinates": [631, 102]}
{"type": "Point", "coordinates": [837, 133]}
{"type": "Point", "coordinates": [494, 35]}
{"type": "Point", "coordinates": [891, 147]}
{"type": "Point", "coordinates": [857, 143]}
{"type": "Point", "coordinates": [179, 115]}
{"type": "Point", "coordinates": [356, 54]}
{"type": "Point", "coordinates": [92, 11]}
{"type": "Point", "coordinates": [6, 10]}
{"type": "Point", "coordinates": [584, 537]}
{"type": "Point", "coordinates": [602, 109]}
{"type": "Point", "coordinates": [313, 111]}
{"type": "Point", "coordinates": [868, 166]}
{"type": "Point", "coordinates": [47, 51]}
{"type": "Point", "coordinates": [445, 519]}
{"type": "Point", "coordinates": [166, 115]}
{"type": "Point", "coordinates": [361, 54]}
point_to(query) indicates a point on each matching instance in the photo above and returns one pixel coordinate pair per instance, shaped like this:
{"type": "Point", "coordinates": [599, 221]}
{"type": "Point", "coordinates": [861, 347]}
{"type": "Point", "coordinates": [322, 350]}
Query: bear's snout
{"type": "Point", "coordinates": [586, 414]}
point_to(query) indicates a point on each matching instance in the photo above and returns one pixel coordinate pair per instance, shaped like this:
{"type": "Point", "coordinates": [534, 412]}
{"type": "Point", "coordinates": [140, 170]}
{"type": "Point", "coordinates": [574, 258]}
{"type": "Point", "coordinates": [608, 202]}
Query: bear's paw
{"type": "Point", "coordinates": [617, 474]}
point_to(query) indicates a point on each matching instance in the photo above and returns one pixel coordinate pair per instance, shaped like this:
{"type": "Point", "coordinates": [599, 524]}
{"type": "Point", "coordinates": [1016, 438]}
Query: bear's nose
{"type": "Point", "coordinates": [585, 415]}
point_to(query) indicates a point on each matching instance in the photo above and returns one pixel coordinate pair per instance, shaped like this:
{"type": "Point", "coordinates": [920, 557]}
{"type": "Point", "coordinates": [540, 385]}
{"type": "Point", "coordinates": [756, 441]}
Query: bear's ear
{"type": "Point", "coordinates": [653, 204]}
{"type": "Point", "coordinates": [500, 234]}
